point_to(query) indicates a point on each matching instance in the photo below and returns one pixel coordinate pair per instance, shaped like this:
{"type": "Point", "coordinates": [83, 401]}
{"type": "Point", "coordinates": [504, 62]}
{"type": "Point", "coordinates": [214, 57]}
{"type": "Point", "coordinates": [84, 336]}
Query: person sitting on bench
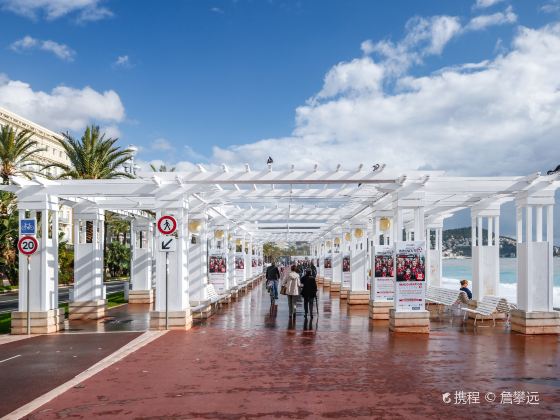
{"type": "Point", "coordinates": [464, 288]}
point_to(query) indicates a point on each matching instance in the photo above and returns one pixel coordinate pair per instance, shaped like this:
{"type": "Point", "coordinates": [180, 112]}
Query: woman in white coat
{"type": "Point", "coordinates": [292, 283]}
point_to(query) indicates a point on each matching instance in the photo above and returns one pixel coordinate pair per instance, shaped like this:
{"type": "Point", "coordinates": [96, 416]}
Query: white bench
{"type": "Point", "coordinates": [213, 300]}
{"type": "Point", "coordinates": [445, 297]}
{"type": "Point", "coordinates": [490, 306]}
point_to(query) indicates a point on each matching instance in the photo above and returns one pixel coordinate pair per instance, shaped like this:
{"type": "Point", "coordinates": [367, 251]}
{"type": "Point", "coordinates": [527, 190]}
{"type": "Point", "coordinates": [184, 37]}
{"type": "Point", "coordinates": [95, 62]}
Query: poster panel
{"type": "Point", "coordinates": [346, 273]}
{"type": "Point", "coordinates": [384, 273]}
{"type": "Point", "coordinates": [254, 262]}
{"type": "Point", "coordinates": [328, 267]}
{"type": "Point", "coordinates": [217, 270]}
{"type": "Point", "coordinates": [239, 265]}
{"type": "Point", "coordinates": [410, 287]}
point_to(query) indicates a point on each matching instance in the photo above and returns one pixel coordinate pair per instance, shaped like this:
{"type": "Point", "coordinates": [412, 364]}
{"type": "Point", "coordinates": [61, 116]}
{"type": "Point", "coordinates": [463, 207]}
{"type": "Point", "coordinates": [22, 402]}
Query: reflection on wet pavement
{"type": "Point", "coordinates": [254, 361]}
{"type": "Point", "coordinates": [120, 318]}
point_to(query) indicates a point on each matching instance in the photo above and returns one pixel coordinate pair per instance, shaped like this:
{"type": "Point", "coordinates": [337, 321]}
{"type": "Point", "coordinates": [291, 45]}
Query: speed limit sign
{"type": "Point", "coordinates": [28, 245]}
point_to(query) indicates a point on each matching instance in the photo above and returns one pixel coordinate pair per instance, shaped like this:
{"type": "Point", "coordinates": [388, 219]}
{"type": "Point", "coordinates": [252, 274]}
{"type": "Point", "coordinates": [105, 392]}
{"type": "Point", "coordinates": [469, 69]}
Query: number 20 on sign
{"type": "Point", "coordinates": [28, 245]}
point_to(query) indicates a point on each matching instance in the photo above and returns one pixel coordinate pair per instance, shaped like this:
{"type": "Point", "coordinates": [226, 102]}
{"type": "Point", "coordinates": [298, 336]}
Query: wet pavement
{"type": "Point", "coordinates": [253, 362]}
{"type": "Point", "coordinates": [33, 366]}
{"type": "Point", "coordinates": [132, 318]}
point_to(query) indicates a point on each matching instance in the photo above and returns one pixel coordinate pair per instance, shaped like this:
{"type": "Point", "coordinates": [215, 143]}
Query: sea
{"type": "Point", "coordinates": [457, 269]}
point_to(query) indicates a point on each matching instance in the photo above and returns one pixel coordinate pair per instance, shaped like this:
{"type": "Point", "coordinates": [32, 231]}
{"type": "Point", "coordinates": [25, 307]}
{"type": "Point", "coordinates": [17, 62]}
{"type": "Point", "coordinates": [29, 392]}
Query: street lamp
{"type": "Point", "coordinates": [129, 166]}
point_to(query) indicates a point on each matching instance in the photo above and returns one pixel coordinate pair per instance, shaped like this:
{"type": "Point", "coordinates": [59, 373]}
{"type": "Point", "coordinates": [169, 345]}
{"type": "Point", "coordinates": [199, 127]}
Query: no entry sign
{"type": "Point", "coordinates": [28, 245]}
{"type": "Point", "coordinates": [167, 225]}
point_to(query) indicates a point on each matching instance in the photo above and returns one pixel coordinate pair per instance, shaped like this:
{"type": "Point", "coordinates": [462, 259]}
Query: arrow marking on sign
{"type": "Point", "coordinates": [166, 245]}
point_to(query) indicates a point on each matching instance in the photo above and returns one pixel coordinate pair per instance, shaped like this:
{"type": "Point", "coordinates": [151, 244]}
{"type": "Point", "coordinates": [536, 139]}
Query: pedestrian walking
{"type": "Point", "coordinates": [272, 277]}
{"type": "Point", "coordinates": [290, 287]}
{"type": "Point", "coordinates": [309, 292]}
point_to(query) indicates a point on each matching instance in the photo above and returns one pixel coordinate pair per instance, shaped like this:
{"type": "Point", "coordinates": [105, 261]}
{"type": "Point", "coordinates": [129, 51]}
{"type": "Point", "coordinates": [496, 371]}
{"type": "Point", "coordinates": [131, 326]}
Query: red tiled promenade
{"type": "Point", "coordinates": [248, 363]}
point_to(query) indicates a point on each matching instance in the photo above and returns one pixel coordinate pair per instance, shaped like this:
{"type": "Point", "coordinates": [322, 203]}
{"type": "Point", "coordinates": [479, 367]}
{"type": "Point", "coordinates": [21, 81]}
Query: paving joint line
{"type": "Point", "coordinates": [114, 357]}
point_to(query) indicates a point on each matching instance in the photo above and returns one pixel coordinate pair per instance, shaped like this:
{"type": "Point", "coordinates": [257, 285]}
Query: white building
{"type": "Point", "coordinates": [53, 153]}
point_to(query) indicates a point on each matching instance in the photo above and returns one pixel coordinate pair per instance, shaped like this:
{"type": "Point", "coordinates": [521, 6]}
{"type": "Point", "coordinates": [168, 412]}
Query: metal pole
{"type": "Point", "coordinates": [166, 290]}
{"type": "Point", "coordinates": [28, 297]}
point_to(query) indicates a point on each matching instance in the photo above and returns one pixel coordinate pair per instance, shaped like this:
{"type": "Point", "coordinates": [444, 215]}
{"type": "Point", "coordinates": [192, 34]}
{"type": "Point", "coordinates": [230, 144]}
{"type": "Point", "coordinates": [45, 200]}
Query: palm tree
{"type": "Point", "coordinates": [93, 156]}
{"type": "Point", "coordinates": [162, 168]}
{"type": "Point", "coordinates": [16, 152]}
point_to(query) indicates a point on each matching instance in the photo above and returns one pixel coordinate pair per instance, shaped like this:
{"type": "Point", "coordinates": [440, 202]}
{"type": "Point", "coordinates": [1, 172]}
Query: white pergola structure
{"type": "Point", "coordinates": [337, 212]}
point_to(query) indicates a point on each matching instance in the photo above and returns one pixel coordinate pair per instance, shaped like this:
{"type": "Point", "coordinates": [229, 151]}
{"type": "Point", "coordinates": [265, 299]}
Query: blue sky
{"type": "Point", "coordinates": [468, 86]}
{"type": "Point", "coordinates": [203, 73]}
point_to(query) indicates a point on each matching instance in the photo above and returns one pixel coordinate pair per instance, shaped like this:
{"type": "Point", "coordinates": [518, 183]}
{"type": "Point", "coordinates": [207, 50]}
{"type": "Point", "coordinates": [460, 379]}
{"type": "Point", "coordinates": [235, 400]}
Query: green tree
{"type": "Point", "coordinates": [17, 150]}
{"type": "Point", "coordinates": [118, 259]}
{"type": "Point", "coordinates": [162, 168]}
{"type": "Point", "coordinates": [116, 225]}
{"type": "Point", "coordinates": [9, 222]}
{"type": "Point", "coordinates": [271, 251]}
{"type": "Point", "coordinates": [65, 260]}
{"type": "Point", "coordinates": [93, 156]}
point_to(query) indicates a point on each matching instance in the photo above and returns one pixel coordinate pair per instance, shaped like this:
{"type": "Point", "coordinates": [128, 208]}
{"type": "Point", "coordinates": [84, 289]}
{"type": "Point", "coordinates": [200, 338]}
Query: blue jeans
{"type": "Point", "coordinates": [274, 292]}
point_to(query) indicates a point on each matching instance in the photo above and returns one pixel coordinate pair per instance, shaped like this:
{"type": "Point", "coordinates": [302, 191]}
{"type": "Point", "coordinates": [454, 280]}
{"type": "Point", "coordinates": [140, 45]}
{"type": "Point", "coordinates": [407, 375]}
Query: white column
{"type": "Point", "coordinates": [232, 280]}
{"type": "Point", "coordinates": [198, 263]}
{"type": "Point", "coordinates": [249, 256]}
{"type": "Point", "coordinates": [337, 261]}
{"type": "Point", "coordinates": [539, 224]}
{"type": "Point", "coordinates": [550, 241]}
{"type": "Point", "coordinates": [173, 295]}
{"type": "Point", "coordinates": [346, 250]}
{"type": "Point", "coordinates": [358, 261]}
{"type": "Point", "coordinates": [89, 290]}
{"type": "Point", "coordinates": [239, 261]}
{"type": "Point", "coordinates": [141, 264]}
{"type": "Point", "coordinates": [535, 289]}
{"type": "Point", "coordinates": [43, 271]}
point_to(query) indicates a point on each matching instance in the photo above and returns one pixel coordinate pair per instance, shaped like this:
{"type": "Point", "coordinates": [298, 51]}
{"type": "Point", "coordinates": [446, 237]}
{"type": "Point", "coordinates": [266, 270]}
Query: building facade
{"type": "Point", "coordinates": [52, 153]}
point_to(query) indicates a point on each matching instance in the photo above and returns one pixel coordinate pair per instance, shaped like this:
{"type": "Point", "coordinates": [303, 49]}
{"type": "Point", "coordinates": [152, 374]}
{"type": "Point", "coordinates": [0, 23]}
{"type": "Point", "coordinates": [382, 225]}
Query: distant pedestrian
{"type": "Point", "coordinates": [309, 292]}
{"type": "Point", "coordinates": [313, 270]}
{"type": "Point", "coordinates": [291, 285]}
{"type": "Point", "coordinates": [272, 277]}
{"type": "Point", "coordinates": [464, 288]}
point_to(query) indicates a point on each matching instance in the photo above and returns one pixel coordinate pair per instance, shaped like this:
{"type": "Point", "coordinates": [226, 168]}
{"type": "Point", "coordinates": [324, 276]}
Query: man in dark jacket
{"type": "Point", "coordinates": [272, 277]}
{"type": "Point", "coordinates": [313, 270]}
{"type": "Point", "coordinates": [309, 292]}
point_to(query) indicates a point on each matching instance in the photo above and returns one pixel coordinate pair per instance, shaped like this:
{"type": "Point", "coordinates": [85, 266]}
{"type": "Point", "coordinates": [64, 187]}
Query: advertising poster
{"type": "Point", "coordinates": [254, 262]}
{"type": "Point", "coordinates": [346, 273]}
{"type": "Point", "coordinates": [239, 265]}
{"type": "Point", "coordinates": [328, 267]}
{"type": "Point", "coordinates": [217, 271]}
{"type": "Point", "coordinates": [410, 287]}
{"type": "Point", "coordinates": [384, 273]}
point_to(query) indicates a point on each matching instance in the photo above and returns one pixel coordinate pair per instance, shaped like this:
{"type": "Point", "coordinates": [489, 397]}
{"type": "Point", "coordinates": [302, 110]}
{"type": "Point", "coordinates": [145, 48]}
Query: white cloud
{"type": "Point", "coordinates": [484, 21]}
{"type": "Point", "coordinates": [112, 131]}
{"type": "Point", "coordinates": [356, 77]}
{"type": "Point", "coordinates": [553, 6]}
{"type": "Point", "coordinates": [123, 61]}
{"type": "Point", "coordinates": [217, 10]}
{"type": "Point", "coordinates": [424, 37]}
{"type": "Point", "coordinates": [84, 10]}
{"type": "Point", "coordinates": [500, 116]}
{"type": "Point", "coordinates": [64, 108]}
{"type": "Point", "coordinates": [28, 43]}
{"type": "Point", "coordinates": [483, 4]}
{"type": "Point", "coordinates": [161, 144]}
{"type": "Point", "coordinates": [194, 155]}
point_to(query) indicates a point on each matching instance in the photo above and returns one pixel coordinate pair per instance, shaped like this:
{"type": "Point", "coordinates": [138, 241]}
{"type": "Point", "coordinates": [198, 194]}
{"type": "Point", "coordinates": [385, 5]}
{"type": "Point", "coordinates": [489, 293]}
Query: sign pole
{"type": "Point", "coordinates": [28, 296]}
{"type": "Point", "coordinates": [166, 290]}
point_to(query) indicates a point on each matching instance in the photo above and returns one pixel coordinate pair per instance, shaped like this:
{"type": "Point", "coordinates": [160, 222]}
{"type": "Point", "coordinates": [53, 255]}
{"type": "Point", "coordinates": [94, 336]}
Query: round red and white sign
{"type": "Point", "coordinates": [167, 225]}
{"type": "Point", "coordinates": [28, 245]}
